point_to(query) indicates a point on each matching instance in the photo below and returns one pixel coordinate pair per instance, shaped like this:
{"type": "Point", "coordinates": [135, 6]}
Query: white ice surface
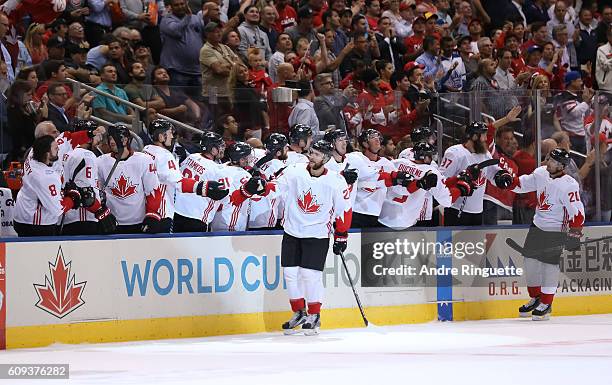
{"type": "Point", "coordinates": [564, 350]}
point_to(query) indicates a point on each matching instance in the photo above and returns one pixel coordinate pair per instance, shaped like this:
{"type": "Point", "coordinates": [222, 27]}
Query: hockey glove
{"type": "Point", "coordinates": [340, 239]}
{"type": "Point", "coordinates": [503, 179]}
{"type": "Point", "coordinates": [88, 196]}
{"type": "Point", "coordinates": [465, 180]}
{"type": "Point", "coordinates": [473, 171]}
{"type": "Point", "coordinates": [72, 191]}
{"type": "Point", "coordinates": [254, 186]}
{"type": "Point", "coordinates": [212, 189]}
{"type": "Point", "coordinates": [428, 181]}
{"type": "Point", "coordinates": [107, 223]}
{"type": "Point", "coordinates": [402, 178]}
{"type": "Point", "coordinates": [350, 175]}
{"type": "Point", "coordinates": [151, 224]}
{"type": "Point", "coordinates": [572, 241]}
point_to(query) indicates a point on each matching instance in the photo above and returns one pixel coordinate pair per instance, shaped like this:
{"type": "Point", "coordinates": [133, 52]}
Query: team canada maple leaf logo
{"type": "Point", "coordinates": [480, 181]}
{"type": "Point", "coordinates": [308, 203]}
{"type": "Point", "coordinates": [543, 204]}
{"type": "Point", "coordinates": [124, 188]}
{"type": "Point", "coordinates": [60, 295]}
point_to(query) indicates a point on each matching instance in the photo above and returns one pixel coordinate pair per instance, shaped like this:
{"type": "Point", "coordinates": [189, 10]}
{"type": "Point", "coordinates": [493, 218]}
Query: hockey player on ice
{"type": "Point", "coordinates": [194, 213]}
{"type": "Point", "coordinates": [93, 217]}
{"type": "Point", "coordinates": [466, 156]}
{"type": "Point", "coordinates": [558, 222]}
{"type": "Point", "coordinates": [316, 197]}
{"type": "Point", "coordinates": [233, 211]}
{"type": "Point", "coordinates": [401, 209]}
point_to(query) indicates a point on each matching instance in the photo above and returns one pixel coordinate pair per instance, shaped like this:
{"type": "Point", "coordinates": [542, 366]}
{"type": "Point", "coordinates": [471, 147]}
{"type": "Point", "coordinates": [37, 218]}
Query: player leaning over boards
{"type": "Point", "coordinates": [314, 197]}
{"type": "Point", "coordinates": [557, 222]}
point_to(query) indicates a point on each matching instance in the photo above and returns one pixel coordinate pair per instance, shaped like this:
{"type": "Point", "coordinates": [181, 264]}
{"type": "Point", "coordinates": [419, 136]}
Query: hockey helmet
{"type": "Point", "coordinates": [298, 132]}
{"type": "Point", "coordinates": [560, 155]}
{"type": "Point", "coordinates": [118, 132]}
{"type": "Point", "coordinates": [160, 126]}
{"type": "Point", "coordinates": [275, 142]}
{"type": "Point", "coordinates": [323, 147]}
{"type": "Point", "coordinates": [332, 135]}
{"type": "Point", "coordinates": [211, 140]}
{"type": "Point", "coordinates": [422, 150]}
{"type": "Point", "coordinates": [475, 128]}
{"type": "Point", "coordinates": [421, 134]}
{"type": "Point", "coordinates": [238, 150]}
{"type": "Point", "coordinates": [84, 125]}
{"type": "Point", "coordinates": [368, 134]}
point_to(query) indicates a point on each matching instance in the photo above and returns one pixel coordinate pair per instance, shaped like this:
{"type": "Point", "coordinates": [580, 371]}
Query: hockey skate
{"type": "Point", "coordinates": [298, 318]}
{"type": "Point", "coordinates": [526, 309]}
{"type": "Point", "coordinates": [312, 325]}
{"type": "Point", "coordinates": [542, 312]}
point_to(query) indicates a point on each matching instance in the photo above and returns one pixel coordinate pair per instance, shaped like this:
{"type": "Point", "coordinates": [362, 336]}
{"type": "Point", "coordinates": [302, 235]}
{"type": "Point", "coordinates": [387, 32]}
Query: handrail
{"type": "Point", "coordinates": [106, 94]}
{"type": "Point", "coordinates": [176, 122]}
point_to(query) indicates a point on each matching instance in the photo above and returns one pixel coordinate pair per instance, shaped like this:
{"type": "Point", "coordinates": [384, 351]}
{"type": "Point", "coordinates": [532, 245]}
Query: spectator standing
{"type": "Point", "coordinates": [488, 88]}
{"type": "Point", "coordinates": [603, 67]}
{"type": "Point", "coordinates": [535, 11]}
{"type": "Point", "coordinates": [249, 108]}
{"type": "Point", "coordinates": [329, 104]}
{"type": "Point", "coordinates": [4, 53]}
{"type": "Point", "coordinates": [181, 34]}
{"type": "Point", "coordinates": [571, 108]}
{"type": "Point", "coordinates": [267, 25]}
{"type": "Point", "coordinates": [304, 29]}
{"type": "Point", "coordinates": [98, 22]}
{"type": "Point", "coordinates": [251, 36]}
{"type": "Point", "coordinates": [560, 18]}
{"type": "Point", "coordinates": [604, 24]}
{"type": "Point", "coordinates": [287, 17]}
{"type": "Point", "coordinates": [586, 37]}
{"type": "Point", "coordinates": [57, 99]}
{"type": "Point", "coordinates": [143, 94]}
{"type": "Point", "coordinates": [304, 111]}
{"type": "Point", "coordinates": [430, 58]}
{"type": "Point", "coordinates": [283, 47]}
{"type": "Point", "coordinates": [34, 43]}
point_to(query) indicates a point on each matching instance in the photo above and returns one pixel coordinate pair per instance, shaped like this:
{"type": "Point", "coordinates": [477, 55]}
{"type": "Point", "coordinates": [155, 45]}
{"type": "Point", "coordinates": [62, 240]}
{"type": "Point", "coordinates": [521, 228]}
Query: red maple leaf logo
{"type": "Point", "coordinates": [308, 203]}
{"type": "Point", "coordinates": [543, 205]}
{"type": "Point", "coordinates": [124, 188]}
{"type": "Point", "coordinates": [60, 295]}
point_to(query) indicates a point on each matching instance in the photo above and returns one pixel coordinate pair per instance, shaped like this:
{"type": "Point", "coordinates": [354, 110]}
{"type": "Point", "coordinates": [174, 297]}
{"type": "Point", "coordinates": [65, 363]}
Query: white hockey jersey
{"type": "Point", "coordinates": [230, 217]}
{"type": "Point", "coordinates": [267, 210]}
{"type": "Point", "coordinates": [169, 176]}
{"type": "Point", "coordinates": [133, 189]}
{"type": "Point", "coordinates": [39, 201]}
{"type": "Point", "coordinates": [66, 143]}
{"type": "Point", "coordinates": [295, 157]}
{"type": "Point", "coordinates": [559, 207]}
{"type": "Point", "coordinates": [313, 203]}
{"type": "Point", "coordinates": [402, 210]}
{"type": "Point", "coordinates": [194, 206]}
{"type": "Point", "coordinates": [87, 177]}
{"type": "Point", "coordinates": [370, 191]}
{"type": "Point", "coordinates": [458, 158]}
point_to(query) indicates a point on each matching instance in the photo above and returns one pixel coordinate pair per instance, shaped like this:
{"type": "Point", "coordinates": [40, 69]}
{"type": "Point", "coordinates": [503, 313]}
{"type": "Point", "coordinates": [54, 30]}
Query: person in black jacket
{"type": "Point", "coordinates": [22, 116]}
{"type": "Point", "coordinates": [249, 107]}
{"type": "Point", "coordinates": [57, 97]}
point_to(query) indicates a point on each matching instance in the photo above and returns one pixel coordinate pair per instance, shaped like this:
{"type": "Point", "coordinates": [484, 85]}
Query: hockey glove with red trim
{"type": "Point", "coordinates": [151, 224]}
{"type": "Point", "coordinates": [350, 175]}
{"type": "Point", "coordinates": [340, 239]}
{"type": "Point", "coordinates": [107, 223]}
{"type": "Point", "coordinates": [212, 189]}
{"type": "Point", "coordinates": [254, 186]}
{"type": "Point", "coordinates": [72, 191]}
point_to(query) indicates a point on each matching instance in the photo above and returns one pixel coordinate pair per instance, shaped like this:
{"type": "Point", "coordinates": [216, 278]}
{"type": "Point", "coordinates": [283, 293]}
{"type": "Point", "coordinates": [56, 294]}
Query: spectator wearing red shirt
{"type": "Point", "coordinates": [373, 104]}
{"type": "Point", "coordinates": [287, 16]}
{"type": "Point", "coordinates": [372, 14]}
{"type": "Point", "coordinates": [539, 36]}
{"type": "Point", "coordinates": [406, 114]}
{"type": "Point", "coordinates": [317, 7]}
{"type": "Point", "coordinates": [279, 112]}
{"type": "Point", "coordinates": [523, 207]}
{"type": "Point", "coordinates": [414, 43]}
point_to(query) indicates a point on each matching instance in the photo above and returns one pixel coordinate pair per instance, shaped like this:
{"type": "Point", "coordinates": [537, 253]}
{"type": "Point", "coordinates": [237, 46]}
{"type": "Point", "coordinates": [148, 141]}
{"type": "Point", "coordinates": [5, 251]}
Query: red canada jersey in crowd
{"type": "Point", "coordinates": [526, 163]}
{"type": "Point", "coordinates": [287, 17]}
{"type": "Point", "coordinates": [133, 190]}
{"type": "Point", "coordinates": [371, 109]}
{"type": "Point", "coordinates": [458, 158]}
{"type": "Point", "coordinates": [39, 201]}
{"type": "Point", "coordinates": [401, 209]}
{"type": "Point", "coordinates": [87, 177]}
{"type": "Point", "coordinates": [314, 203]}
{"type": "Point", "coordinates": [370, 189]}
{"type": "Point", "coordinates": [194, 206]}
{"type": "Point", "coordinates": [413, 44]}
{"type": "Point", "coordinates": [231, 217]}
{"type": "Point", "coordinates": [402, 120]}
{"type": "Point", "coordinates": [559, 206]}
{"type": "Point", "coordinates": [169, 176]}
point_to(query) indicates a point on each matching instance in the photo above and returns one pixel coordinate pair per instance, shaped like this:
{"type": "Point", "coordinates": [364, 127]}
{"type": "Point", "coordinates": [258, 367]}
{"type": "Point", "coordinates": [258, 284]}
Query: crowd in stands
{"type": "Point", "coordinates": [246, 69]}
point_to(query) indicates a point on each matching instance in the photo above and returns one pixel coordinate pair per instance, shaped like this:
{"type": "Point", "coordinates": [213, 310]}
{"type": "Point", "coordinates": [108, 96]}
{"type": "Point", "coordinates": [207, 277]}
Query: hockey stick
{"type": "Point", "coordinates": [481, 165]}
{"type": "Point", "coordinates": [348, 274]}
{"type": "Point", "coordinates": [515, 246]}
{"type": "Point", "coordinates": [76, 172]}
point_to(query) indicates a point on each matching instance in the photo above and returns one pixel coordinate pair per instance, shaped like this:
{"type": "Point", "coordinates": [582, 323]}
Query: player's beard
{"type": "Point", "coordinates": [480, 147]}
{"type": "Point", "coordinates": [53, 158]}
{"type": "Point", "coordinates": [283, 156]}
{"type": "Point", "coordinates": [317, 166]}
